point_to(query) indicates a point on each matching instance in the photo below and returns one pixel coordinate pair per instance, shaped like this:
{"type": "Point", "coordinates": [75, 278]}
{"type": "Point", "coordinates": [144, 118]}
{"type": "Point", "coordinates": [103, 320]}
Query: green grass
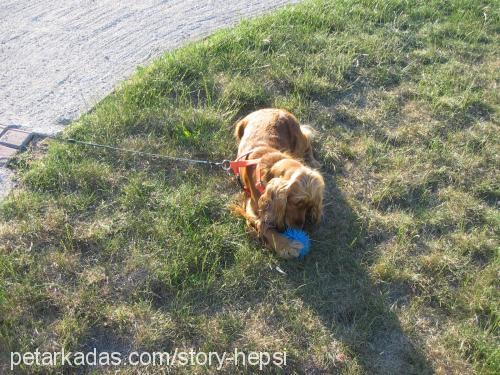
{"type": "Point", "coordinates": [107, 250]}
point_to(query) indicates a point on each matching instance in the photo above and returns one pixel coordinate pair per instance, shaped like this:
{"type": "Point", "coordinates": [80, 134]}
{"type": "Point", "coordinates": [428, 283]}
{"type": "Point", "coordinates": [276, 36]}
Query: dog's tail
{"type": "Point", "coordinates": [308, 132]}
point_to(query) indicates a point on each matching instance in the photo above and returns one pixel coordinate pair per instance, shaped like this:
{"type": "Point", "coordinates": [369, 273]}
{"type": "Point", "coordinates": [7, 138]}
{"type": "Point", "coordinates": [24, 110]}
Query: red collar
{"type": "Point", "coordinates": [235, 168]}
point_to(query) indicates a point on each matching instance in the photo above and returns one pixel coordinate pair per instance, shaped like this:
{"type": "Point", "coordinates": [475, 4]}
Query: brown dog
{"type": "Point", "coordinates": [282, 188]}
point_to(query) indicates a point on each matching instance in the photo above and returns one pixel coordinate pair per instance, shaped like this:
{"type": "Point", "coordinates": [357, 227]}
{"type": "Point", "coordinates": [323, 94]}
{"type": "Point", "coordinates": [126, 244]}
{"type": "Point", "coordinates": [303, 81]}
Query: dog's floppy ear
{"type": "Point", "coordinates": [239, 129]}
{"type": "Point", "coordinates": [316, 187]}
{"type": "Point", "coordinates": [272, 204]}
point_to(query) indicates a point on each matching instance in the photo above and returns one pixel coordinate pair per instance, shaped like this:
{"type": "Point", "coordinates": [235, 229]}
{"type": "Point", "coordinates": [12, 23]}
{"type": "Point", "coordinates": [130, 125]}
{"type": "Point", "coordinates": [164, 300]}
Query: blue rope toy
{"type": "Point", "coordinates": [300, 236]}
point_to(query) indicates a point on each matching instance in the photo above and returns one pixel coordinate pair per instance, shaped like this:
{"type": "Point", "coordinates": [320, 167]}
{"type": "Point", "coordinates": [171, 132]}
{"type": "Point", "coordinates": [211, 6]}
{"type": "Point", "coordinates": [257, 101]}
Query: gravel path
{"type": "Point", "coordinates": [60, 57]}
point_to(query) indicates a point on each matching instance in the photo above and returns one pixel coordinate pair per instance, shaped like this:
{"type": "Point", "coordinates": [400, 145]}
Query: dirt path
{"type": "Point", "coordinates": [58, 58]}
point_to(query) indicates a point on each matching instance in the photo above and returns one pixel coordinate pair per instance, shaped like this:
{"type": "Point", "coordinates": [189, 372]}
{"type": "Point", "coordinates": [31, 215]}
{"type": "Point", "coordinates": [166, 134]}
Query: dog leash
{"type": "Point", "coordinates": [224, 164]}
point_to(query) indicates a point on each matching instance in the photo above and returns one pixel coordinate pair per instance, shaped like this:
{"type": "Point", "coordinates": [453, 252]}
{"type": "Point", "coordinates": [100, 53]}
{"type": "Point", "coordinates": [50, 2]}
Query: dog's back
{"type": "Point", "coordinates": [270, 127]}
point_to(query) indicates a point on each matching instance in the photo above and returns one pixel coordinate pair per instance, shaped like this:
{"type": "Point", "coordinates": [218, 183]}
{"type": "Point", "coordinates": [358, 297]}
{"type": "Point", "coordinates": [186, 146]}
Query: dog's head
{"type": "Point", "coordinates": [293, 199]}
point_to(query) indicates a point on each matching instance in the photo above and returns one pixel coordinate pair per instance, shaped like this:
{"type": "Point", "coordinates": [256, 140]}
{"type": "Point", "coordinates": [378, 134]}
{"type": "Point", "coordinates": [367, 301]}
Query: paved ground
{"type": "Point", "coordinates": [59, 57]}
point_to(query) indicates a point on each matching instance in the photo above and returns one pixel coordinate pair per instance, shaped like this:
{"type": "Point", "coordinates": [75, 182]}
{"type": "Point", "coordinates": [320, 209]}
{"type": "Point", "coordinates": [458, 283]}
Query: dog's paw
{"type": "Point", "coordinates": [290, 250]}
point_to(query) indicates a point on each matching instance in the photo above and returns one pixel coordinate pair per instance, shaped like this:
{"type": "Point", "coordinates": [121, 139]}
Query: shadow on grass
{"type": "Point", "coordinates": [334, 283]}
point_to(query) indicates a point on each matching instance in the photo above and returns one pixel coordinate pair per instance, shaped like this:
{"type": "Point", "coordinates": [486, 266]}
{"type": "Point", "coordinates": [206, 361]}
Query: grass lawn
{"type": "Point", "coordinates": [114, 252]}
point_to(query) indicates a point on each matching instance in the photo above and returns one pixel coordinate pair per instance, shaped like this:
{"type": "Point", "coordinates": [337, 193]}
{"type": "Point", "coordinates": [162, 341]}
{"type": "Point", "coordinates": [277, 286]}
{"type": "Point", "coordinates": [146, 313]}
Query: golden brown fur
{"type": "Point", "coordinates": [294, 190]}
